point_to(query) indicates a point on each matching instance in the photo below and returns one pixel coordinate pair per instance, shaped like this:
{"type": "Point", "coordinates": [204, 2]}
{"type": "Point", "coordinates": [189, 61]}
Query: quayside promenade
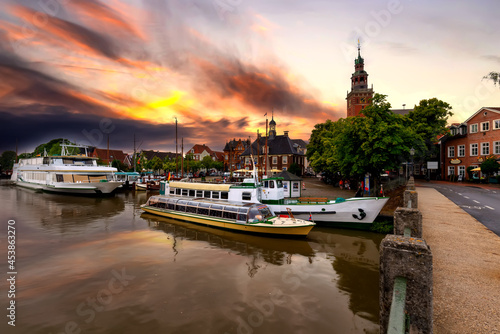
{"type": "Point", "coordinates": [466, 266]}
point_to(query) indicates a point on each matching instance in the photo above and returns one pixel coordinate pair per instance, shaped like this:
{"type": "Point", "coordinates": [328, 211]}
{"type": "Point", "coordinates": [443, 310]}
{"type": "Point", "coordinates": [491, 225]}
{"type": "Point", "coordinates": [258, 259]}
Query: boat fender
{"type": "Point", "coordinates": [339, 200]}
{"type": "Point", "coordinates": [362, 214]}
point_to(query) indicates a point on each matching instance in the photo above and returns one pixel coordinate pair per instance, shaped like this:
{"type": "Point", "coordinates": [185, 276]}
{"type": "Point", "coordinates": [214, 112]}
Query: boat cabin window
{"type": "Point", "coordinates": [224, 195]}
{"type": "Point", "coordinates": [178, 191]}
{"type": "Point", "coordinates": [181, 206]}
{"type": "Point", "coordinates": [206, 194]}
{"type": "Point", "coordinates": [242, 214]}
{"type": "Point", "coordinates": [199, 193]}
{"type": "Point", "coordinates": [271, 184]}
{"type": "Point", "coordinates": [172, 191]}
{"type": "Point", "coordinates": [203, 208]}
{"type": "Point", "coordinates": [230, 212]}
{"type": "Point", "coordinates": [246, 196]}
{"type": "Point", "coordinates": [259, 213]}
{"type": "Point", "coordinates": [46, 160]}
{"type": "Point", "coordinates": [191, 192]}
{"type": "Point", "coordinates": [215, 194]}
{"type": "Point", "coordinates": [184, 192]}
{"type": "Point", "coordinates": [192, 207]}
{"type": "Point", "coordinates": [59, 178]}
{"type": "Point", "coordinates": [216, 211]}
{"type": "Point", "coordinates": [280, 183]}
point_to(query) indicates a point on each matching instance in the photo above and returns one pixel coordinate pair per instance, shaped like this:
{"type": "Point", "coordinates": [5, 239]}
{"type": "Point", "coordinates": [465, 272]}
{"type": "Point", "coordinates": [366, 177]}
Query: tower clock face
{"type": "Point", "coordinates": [363, 100]}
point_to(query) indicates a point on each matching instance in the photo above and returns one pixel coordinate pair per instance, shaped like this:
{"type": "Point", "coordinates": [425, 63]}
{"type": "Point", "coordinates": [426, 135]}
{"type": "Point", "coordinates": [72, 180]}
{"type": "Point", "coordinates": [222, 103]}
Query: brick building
{"type": "Point", "coordinates": [232, 154]}
{"type": "Point", "coordinates": [360, 95]}
{"type": "Point", "coordinates": [200, 151]}
{"type": "Point", "coordinates": [282, 151]}
{"type": "Point", "coordinates": [471, 142]}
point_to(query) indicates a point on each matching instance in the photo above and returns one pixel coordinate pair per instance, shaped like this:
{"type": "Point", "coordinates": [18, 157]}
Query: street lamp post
{"type": "Point", "coordinates": [412, 153]}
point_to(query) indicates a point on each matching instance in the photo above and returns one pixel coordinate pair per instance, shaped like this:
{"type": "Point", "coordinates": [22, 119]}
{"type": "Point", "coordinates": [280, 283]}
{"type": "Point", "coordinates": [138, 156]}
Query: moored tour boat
{"type": "Point", "coordinates": [237, 216]}
{"type": "Point", "coordinates": [69, 174]}
{"type": "Point", "coordinates": [356, 212]}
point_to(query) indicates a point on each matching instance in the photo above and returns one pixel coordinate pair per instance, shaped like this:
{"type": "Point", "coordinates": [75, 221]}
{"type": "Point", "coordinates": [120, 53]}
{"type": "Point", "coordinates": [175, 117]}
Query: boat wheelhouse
{"type": "Point", "coordinates": [246, 217]}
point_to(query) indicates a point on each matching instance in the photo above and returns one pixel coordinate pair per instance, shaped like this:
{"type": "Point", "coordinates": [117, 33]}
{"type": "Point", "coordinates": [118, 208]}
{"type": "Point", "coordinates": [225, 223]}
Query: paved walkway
{"type": "Point", "coordinates": [466, 266]}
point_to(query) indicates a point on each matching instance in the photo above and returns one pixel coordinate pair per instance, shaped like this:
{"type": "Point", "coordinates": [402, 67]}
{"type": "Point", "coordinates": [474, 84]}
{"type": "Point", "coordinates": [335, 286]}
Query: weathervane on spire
{"type": "Point", "coordinates": [359, 48]}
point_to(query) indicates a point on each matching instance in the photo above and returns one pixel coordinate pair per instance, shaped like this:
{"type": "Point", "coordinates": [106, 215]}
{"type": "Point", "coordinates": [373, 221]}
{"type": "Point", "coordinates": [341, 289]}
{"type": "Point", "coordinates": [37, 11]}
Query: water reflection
{"type": "Point", "coordinates": [355, 259]}
{"type": "Point", "coordinates": [187, 278]}
{"type": "Point", "coordinates": [273, 250]}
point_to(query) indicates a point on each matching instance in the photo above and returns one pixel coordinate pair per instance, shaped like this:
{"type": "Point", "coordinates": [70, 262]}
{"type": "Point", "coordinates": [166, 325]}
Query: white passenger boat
{"type": "Point", "coordinates": [356, 212]}
{"type": "Point", "coordinates": [70, 174]}
{"type": "Point", "coordinates": [238, 216]}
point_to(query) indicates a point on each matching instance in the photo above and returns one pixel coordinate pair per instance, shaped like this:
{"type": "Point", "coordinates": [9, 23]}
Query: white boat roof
{"type": "Point", "coordinates": [200, 186]}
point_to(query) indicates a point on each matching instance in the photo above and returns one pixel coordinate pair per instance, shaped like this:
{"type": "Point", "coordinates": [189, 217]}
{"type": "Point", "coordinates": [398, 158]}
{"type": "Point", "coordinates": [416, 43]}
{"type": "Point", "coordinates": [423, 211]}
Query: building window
{"type": "Point", "coordinates": [275, 160]}
{"type": "Point", "coordinates": [496, 147]}
{"type": "Point", "coordinates": [485, 126]}
{"type": "Point", "coordinates": [461, 171]}
{"type": "Point", "coordinates": [451, 151]}
{"type": "Point", "coordinates": [473, 128]}
{"type": "Point", "coordinates": [461, 150]}
{"type": "Point", "coordinates": [453, 131]}
{"type": "Point", "coordinates": [496, 124]}
{"type": "Point", "coordinates": [473, 149]}
{"type": "Point", "coordinates": [285, 159]}
{"type": "Point", "coordinates": [485, 148]}
{"type": "Point", "coordinates": [451, 170]}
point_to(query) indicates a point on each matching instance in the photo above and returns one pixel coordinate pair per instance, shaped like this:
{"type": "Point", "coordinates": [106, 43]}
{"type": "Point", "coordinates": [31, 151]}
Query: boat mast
{"type": "Point", "coordinates": [182, 157]}
{"type": "Point", "coordinates": [176, 158]}
{"type": "Point", "coordinates": [134, 154]}
{"type": "Point", "coordinates": [265, 167]}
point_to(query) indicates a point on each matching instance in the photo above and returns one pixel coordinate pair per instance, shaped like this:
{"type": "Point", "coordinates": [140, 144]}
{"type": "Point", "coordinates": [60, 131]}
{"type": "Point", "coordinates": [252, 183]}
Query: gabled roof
{"type": "Point", "coordinates": [102, 153]}
{"type": "Point", "coordinates": [287, 176]}
{"type": "Point", "coordinates": [198, 149]}
{"type": "Point", "coordinates": [279, 145]}
{"type": "Point", "coordinates": [483, 109]}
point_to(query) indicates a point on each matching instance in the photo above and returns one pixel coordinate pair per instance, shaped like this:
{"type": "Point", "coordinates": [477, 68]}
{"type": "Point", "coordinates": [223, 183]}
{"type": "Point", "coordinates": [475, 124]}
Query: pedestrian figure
{"type": "Point", "coordinates": [341, 184]}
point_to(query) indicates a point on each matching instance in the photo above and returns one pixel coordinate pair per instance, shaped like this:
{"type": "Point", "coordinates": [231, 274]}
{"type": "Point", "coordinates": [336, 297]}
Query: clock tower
{"type": "Point", "coordinates": [360, 95]}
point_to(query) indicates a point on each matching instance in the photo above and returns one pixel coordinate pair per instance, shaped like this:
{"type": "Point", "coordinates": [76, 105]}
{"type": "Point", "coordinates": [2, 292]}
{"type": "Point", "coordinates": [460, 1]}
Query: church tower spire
{"type": "Point", "coordinates": [360, 95]}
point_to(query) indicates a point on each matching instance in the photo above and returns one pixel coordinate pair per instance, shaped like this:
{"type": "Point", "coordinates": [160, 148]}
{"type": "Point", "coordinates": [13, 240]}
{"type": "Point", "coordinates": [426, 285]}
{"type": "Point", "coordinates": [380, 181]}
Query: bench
{"type": "Point", "coordinates": [313, 199]}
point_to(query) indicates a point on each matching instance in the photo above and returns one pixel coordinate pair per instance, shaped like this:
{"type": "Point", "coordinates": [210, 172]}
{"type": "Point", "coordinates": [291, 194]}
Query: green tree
{"type": "Point", "coordinates": [207, 162]}
{"type": "Point", "coordinates": [155, 164]}
{"type": "Point", "coordinates": [7, 160]}
{"type": "Point", "coordinates": [489, 166]}
{"type": "Point", "coordinates": [355, 146]}
{"type": "Point", "coordinates": [295, 169]}
{"type": "Point", "coordinates": [119, 165]}
{"type": "Point", "coordinates": [429, 120]}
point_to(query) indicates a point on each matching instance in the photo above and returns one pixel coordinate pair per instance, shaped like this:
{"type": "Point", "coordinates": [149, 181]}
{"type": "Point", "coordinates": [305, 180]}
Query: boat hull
{"type": "Point", "coordinates": [353, 212]}
{"type": "Point", "coordinates": [95, 188]}
{"type": "Point", "coordinates": [230, 225]}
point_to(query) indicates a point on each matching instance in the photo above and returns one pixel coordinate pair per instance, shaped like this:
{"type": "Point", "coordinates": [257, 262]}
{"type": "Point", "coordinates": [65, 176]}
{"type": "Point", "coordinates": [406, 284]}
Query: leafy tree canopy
{"type": "Point", "coordinates": [379, 141]}
{"type": "Point", "coordinates": [490, 165]}
{"type": "Point", "coordinates": [7, 160]}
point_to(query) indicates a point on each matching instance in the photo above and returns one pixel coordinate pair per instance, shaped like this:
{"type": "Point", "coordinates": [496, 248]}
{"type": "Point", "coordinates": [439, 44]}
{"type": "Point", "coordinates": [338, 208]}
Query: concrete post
{"type": "Point", "coordinates": [408, 217]}
{"type": "Point", "coordinates": [411, 183]}
{"type": "Point", "coordinates": [410, 258]}
{"type": "Point", "coordinates": [410, 196]}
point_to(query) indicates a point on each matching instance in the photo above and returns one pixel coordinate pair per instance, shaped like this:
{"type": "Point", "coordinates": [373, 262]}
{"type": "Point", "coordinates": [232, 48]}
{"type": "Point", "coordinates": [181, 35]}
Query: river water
{"type": "Point", "coordinates": [99, 265]}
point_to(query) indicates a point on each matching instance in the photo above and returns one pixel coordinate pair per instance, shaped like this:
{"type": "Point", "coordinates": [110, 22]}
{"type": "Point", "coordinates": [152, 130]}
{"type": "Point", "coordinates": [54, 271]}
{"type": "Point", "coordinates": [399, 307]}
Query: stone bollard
{"type": "Point", "coordinates": [410, 258]}
{"type": "Point", "coordinates": [410, 195]}
{"type": "Point", "coordinates": [411, 184]}
{"type": "Point", "coordinates": [408, 217]}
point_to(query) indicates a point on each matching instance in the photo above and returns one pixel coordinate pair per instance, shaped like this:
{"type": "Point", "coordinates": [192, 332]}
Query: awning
{"type": "Point", "coordinates": [477, 169]}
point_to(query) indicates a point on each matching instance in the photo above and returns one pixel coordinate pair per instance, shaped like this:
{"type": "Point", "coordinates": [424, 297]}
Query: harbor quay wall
{"type": "Point", "coordinates": [406, 257]}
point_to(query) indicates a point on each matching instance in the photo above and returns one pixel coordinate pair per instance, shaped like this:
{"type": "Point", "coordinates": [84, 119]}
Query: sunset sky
{"type": "Point", "coordinates": [83, 69]}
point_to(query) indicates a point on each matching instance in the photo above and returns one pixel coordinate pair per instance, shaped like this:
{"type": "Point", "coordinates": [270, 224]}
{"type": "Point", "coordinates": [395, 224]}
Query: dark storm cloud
{"type": "Point", "coordinates": [56, 122]}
